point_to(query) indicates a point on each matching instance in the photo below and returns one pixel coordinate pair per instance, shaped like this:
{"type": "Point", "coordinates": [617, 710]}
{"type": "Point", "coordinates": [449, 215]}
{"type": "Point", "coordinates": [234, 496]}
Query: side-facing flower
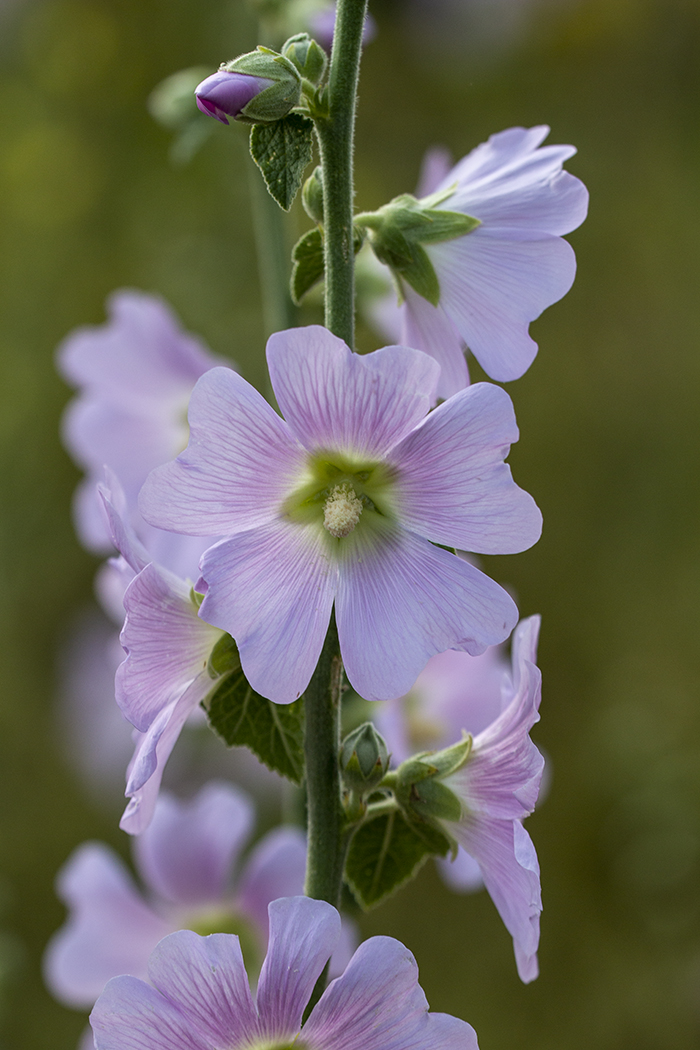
{"type": "Point", "coordinates": [479, 791]}
{"type": "Point", "coordinates": [134, 375]}
{"type": "Point", "coordinates": [348, 502]}
{"type": "Point", "coordinates": [186, 860]}
{"type": "Point", "coordinates": [199, 996]}
{"type": "Point", "coordinates": [495, 279]}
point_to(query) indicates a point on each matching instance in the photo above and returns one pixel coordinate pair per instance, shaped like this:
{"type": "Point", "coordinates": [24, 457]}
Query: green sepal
{"type": "Point", "coordinates": [398, 230]}
{"type": "Point", "coordinates": [282, 151]}
{"type": "Point", "coordinates": [274, 102]}
{"type": "Point", "coordinates": [312, 196]}
{"type": "Point", "coordinates": [308, 56]}
{"type": "Point", "coordinates": [386, 852]}
{"type": "Point", "coordinates": [273, 732]}
{"type": "Point", "coordinates": [308, 261]}
{"type": "Point", "coordinates": [433, 800]}
{"type": "Point", "coordinates": [223, 657]}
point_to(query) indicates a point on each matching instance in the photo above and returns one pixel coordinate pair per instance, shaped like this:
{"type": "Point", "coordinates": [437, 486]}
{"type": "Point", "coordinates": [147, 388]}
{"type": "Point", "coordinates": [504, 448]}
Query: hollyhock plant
{"type": "Point", "coordinates": [500, 276]}
{"type": "Point", "coordinates": [493, 786]}
{"type": "Point", "coordinates": [345, 503]}
{"type": "Point", "coordinates": [134, 375]}
{"type": "Point", "coordinates": [199, 996]}
{"type": "Point", "coordinates": [225, 94]}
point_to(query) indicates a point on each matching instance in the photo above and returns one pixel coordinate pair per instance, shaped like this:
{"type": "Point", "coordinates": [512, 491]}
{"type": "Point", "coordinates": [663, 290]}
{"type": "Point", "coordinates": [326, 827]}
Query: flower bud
{"type": "Point", "coordinates": [257, 88]}
{"type": "Point", "coordinates": [310, 59]}
{"type": "Point", "coordinates": [312, 196]}
{"type": "Point", "coordinates": [364, 759]}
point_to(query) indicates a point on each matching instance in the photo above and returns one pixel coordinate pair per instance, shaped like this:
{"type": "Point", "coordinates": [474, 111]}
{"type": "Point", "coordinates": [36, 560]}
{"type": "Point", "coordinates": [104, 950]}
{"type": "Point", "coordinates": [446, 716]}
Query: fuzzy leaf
{"type": "Point", "coordinates": [282, 151]}
{"type": "Point", "coordinates": [273, 732]}
{"type": "Point", "coordinates": [386, 852]}
{"type": "Point", "coordinates": [307, 257]}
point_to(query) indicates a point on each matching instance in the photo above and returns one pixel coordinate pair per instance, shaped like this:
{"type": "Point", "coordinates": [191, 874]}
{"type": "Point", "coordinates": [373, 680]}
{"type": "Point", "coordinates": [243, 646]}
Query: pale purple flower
{"type": "Point", "coordinates": [322, 27]}
{"type": "Point", "coordinates": [498, 786]}
{"type": "Point", "coordinates": [186, 861]}
{"type": "Point", "coordinates": [134, 375]}
{"type": "Point", "coordinates": [224, 94]}
{"type": "Point", "coordinates": [499, 277]}
{"type": "Point", "coordinates": [199, 997]}
{"type": "Point", "coordinates": [344, 503]}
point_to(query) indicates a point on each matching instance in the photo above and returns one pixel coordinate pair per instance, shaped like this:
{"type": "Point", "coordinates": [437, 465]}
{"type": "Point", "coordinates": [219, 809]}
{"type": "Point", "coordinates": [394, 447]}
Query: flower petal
{"type": "Point", "coordinates": [275, 868]}
{"type": "Point", "coordinates": [377, 1004]}
{"type": "Point", "coordinates": [428, 328]}
{"type": "Point", "coordinates": [493, 283]}
{"type": "Point", "coordinates": [110, 929]}
{"type": "Point", "coordinates": [166, 642]}
{"type": "Point", "coordinates": [453, 486]}
{"type": "Point", "coordinates": [272, 588]}
{"type": "Point", "coordinates": [188, 852]}
{"type": "Point", "coordinates": [130, 1015]}
{"type": "Point", "coordinates": [508, 862]}
{"type": "Point", "coordinates": [206, 978]}
{"type": "Point", "coordinates": [463, 874]}
{"type": "Point", "coordinates": [406, 600]}
{"type": "Point", "coordinates": [240, 464]}
{"type": "Point", "coordinates": [336, 400]}
{"type": "Point", "coordinates": [303, 933]}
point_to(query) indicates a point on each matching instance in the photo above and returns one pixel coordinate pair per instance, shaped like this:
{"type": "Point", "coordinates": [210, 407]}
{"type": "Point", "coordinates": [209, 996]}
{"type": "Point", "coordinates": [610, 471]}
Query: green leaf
{"type": "Point", "coordinates": [282, 151]}
{"type": "Point", "coordinates": [307, 257]}
{"type": "Point", "coordinates": [386, 852]}
{"type": "Point", "coordinates": [274, 732]}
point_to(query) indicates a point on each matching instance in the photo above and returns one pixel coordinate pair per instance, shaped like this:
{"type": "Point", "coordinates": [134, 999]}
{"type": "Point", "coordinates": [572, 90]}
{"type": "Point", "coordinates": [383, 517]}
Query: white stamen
{"type": "Point", "coordinates": [342, 511]}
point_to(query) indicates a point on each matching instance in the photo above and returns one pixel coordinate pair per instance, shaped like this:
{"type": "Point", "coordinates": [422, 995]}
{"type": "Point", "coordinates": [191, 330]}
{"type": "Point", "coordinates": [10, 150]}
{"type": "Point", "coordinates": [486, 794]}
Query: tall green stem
{"type": "Point", "coordinates": [326, 834]}
{"type": "Point", "coordinates": [336, 135]}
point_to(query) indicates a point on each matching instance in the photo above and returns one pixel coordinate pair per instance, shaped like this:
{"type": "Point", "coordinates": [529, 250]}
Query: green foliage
{"type": "Point", "coordinates": [386, 852]}
{"type": "Point", "coordinates": [274, 732]}
{"type": "Point", "coordinates": [282, 151]}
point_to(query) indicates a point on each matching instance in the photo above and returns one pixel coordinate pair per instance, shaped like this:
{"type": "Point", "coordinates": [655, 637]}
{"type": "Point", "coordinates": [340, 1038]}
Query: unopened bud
{"type": "Point", "coordinates": [364, 759]}
{"type": "Point", "coordinates": [309, 58]}
{"type": "Point", "coordinates": [312, 196]}
{"type": "Point", "coordinates": [257, 88]}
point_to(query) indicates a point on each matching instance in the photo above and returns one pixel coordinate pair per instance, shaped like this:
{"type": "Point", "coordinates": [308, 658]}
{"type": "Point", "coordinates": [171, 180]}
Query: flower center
{"type": "Point", "coordinates": [342, 510]}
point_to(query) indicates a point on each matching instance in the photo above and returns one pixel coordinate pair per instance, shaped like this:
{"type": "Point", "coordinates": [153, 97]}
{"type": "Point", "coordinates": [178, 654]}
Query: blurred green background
{"type": "Point", "coordinates": [610, 448]}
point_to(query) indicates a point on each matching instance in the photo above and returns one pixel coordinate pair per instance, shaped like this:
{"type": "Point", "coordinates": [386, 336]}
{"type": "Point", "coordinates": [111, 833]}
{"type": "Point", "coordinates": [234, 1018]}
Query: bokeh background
{"type": "Point", "coordinates": [610, 448]}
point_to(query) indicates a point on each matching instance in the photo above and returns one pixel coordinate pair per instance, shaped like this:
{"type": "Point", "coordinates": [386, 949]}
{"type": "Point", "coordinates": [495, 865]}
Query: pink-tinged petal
{"type": "Point", "coordinates": [130, 1015]}
{"type": "Point", "coordinates": [275, 868]}
{"type": "Point", "coordinates": [493, 283]}
{"type": "Point", "coordinates": [453, 486]}
{"type": "Point", "coordinates": [508, 862]}
{"type": "Point", "coordinates": [110, 929]}
{"type": "Point", "coordinates": [303, 933]}
{"type": "Point", "coordinates": [152, 752]}
{"type": "Point", "coordinates": [405, 600]}
{"type": "Point", "coordinates": [166, 642]}
{"type": "Point", "coordinates": [428, 328]}
{"type": "Point", "coordinates": [463, 874]}
{"type": "Point", "coordinates": [272, 588]}
{"type": "Point", "coordinates": [122, 535]}
{"type": "Point", "coordinates": [206, 978]}
{"type": "Point", "coordinates": [336, 400]}
{"type": "Point", "coordinates": [240, 464]}
{"type": "Point", "coordinates": [188, 852]}
{"type": "Point", "coordinates": [377, 1004]}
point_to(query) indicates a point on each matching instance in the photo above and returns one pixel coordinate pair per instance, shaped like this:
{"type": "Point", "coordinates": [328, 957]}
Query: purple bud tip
{"type": "Point", "coordinates": [225, 94]}
{"type": "Point", "coordinates": [322, 27]}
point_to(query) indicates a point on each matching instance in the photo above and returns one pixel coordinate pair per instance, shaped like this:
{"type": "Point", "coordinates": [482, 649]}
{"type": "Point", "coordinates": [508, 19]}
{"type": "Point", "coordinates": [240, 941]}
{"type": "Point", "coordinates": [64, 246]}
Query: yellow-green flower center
{"type": "Point", "coordinates": [342, 494]}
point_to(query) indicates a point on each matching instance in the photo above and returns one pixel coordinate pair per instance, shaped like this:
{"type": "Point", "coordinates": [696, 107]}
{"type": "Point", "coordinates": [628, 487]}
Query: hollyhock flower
{"type": "Point", "coordinates": [496, 279]}
{"type": "Point", "coordinates": [134, 375]}
{"type": "Point", "coordinates": [494, 787]}
{"type": "Point", "coordinates": [186, 861]}
{"type": "Point", "coordinates": [345, 503]}
{"type": "Point", "coordinates": [199, 996]}
{"type": "Point", "coordinates": [224, 94]}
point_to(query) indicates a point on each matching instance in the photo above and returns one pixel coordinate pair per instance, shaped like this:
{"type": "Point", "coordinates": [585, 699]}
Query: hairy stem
{"type": "Point", "coordinates": [335, 135]}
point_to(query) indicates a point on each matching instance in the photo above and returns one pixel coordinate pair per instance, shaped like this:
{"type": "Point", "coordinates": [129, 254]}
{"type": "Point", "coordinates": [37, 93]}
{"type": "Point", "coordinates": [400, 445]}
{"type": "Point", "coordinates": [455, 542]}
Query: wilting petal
{"type": "Point", "coordinates": [453, 486]}
{"type": "Point", "coordinates": [336, 400]}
